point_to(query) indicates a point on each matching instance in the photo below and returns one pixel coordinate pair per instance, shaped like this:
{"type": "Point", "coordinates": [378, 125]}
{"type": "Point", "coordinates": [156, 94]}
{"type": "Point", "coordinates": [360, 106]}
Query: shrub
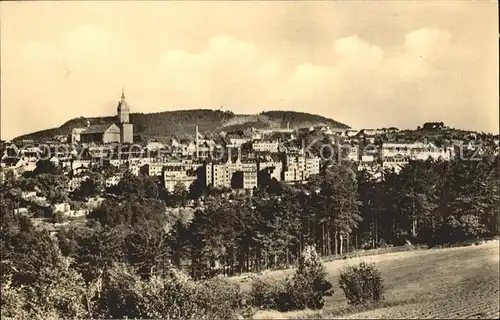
{"type": "Point", "coordinates": [13, 301]}
{"type": "Point", "coordinates": [174, 296]}
{"type": "Point", "coordinates": [306, 289]}
{"type": "Point", "coordinates": [362, 284]}
{"type": "Point", "coordinates": [168, 298]}
{"type": "Point", "coordinates": [57, 294]}
{"type": "Point", "coordinates": [58, 217]}
{"type": "Point", "coordinates": [266, 293]}
{"type": "Point", "coordinates": [219, 299]}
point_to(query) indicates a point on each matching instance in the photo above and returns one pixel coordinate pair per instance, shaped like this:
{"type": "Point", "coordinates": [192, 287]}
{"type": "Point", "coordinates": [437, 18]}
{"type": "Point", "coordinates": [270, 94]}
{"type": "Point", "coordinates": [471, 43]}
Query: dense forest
{"type": "Point", "coordinates": [301, 119]}
{"type": "Point", "coordinates": [182, 123]}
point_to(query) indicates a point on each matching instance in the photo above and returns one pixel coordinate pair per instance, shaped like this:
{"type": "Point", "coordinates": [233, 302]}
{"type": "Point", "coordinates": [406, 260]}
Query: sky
{"type": "Point", "coordinates": [368, 64]}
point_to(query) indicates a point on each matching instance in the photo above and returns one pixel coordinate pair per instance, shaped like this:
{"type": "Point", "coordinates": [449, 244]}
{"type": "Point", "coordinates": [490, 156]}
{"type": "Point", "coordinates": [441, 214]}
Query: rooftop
{"type": "Point", "coordinates": [97, 128]}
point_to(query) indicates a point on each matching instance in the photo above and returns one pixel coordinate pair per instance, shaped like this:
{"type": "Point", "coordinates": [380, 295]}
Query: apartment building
{"type": "Point", "coordinates": [298, 168]}
{"type": "Point", "coordinates": [293, 168]}
{"type": "Point", "coordinates": [266, 146]}
{"type": "Point", "coordinates": [31, 154]}
{"type": "Point", "coordinates": [352, 152]}
{"type": "Point", "coordinates": [249, 176]}
{"type": "Point", "coordinates": [367, 163]}
{"type": "Point", "coordinates": [273, 167]}
{"type": "Point", "coordinates": [237, 142]}
{"type": "Point", "coordinates": [12, 164]}
{"type": "Point", "coordinates": [119, 161]}
{"type": "Point", "coordinates": [80, 165]}
{"type": "Point", "coordinates": [206, 148]}
{"type": "Point", "coordinates": [232, 173]}
{"type": "Point", "coordinates": [153, 169]}
{"type": "Point", "coordinates": [173, 175]}
{"type": "Point", "coordinates": [368, 135]}
{"type": "Point", "coordinates": [188, 149]}
{"type": "Point", "coordinates": [62, 155]}
{"type": "Point", "coordinates": [416, 150]}
{"type": "Point", "coordinates": [396, 162]}
{"type": "Point", "coordinates": [220, 175]}
{"type": "Point", "coordinates": [101, 151]}
{"type": "Point", "coordinates": [312, 167]}
{"type": "Point", "coordinates": [156, 168]}
{"type": "Point", "coordinates": [244, 179]}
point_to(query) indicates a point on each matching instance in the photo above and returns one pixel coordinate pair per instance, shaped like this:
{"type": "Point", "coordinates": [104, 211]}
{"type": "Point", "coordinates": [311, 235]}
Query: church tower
{"type": "Point", "coordinates": [123, 110]}
{"type": "Point", "coordinates": [126, 128]}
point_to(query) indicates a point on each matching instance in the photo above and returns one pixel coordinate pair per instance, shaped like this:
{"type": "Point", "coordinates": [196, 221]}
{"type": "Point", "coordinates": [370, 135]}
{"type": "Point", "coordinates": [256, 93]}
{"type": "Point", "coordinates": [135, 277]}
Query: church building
{"type": "Point", "coordinates": [120, 132]}
{"type": "Point", "coordinates": [126, 128]}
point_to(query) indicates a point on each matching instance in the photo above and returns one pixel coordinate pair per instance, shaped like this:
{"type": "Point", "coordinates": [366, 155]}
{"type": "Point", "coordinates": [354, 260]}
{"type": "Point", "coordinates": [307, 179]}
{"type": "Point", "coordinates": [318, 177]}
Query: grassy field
{"type": "Point", "coordinates": [443, 283]}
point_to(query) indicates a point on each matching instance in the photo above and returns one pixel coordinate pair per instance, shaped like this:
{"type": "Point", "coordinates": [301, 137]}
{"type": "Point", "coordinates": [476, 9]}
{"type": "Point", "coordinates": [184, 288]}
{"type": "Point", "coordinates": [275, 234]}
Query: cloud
{"type": "Point", "coordinates": [236, 72]}
{"type": "Point", "coordinates": [424, 50]}
{"type": "Point", "coordinates": [228, 70]}
{"type": "Point", "coordinates": [354, 53]}
{"type": "Point", "coordinates": [241, 76]}
{"type": "Point", "coordinates": [385, 69]}
{"type": "Point", "coordinates": [428, 44]}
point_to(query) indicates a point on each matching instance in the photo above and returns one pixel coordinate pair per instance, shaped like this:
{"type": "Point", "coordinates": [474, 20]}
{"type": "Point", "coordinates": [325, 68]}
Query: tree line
{"type": "Point", "coordinates": [339, 210]}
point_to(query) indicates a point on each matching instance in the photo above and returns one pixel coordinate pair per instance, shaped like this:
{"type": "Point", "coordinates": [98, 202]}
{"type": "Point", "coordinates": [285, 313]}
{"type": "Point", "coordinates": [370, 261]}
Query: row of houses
{"type": "Point", "coordinates": [180, 161]}
{"type": "Point", "coordinates": [236, 172]}
{"type": "Point", "coordinates": [30, 199]}
{"type": "Point", "coordinates": [261, 140]}
{"type": "Point", "coordinates": [232, 171]}
{"type": "Point", "coordinates": [153, 165]}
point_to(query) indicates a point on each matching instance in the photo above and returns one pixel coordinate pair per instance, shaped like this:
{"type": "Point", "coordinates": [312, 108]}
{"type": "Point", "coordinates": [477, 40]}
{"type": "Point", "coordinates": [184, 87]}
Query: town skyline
{"type": "Point", "coordinates": [401, 65]}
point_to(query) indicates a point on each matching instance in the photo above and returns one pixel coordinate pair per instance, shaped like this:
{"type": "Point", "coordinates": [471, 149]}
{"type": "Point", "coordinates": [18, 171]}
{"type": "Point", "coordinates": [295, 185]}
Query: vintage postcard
{"type": "Point", "coordinates": [249, 159]}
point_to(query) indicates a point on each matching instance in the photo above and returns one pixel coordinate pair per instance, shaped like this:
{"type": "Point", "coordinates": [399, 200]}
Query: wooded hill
{"type": "Point", "coordinates": [182, 123]}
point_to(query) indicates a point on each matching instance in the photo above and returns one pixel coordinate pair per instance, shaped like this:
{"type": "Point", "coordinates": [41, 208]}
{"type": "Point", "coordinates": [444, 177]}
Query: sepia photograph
{"type": "Point", "coordinates": [249, 159]}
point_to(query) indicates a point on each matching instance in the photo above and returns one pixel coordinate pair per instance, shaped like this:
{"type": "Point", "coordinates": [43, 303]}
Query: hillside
{"type": "Point", "coordinates": [445, 283]}
{"type": "Point", "coordinates": [182, 123]}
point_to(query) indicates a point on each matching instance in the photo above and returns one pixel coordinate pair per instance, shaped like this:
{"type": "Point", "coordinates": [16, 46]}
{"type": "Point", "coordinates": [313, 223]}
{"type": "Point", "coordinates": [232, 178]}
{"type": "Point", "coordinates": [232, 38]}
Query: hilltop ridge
{"type": "Point", "coordinates": [181, 123]}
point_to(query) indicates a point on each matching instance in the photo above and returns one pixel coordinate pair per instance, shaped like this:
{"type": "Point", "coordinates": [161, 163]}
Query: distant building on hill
{"type": "Point", "coordinates": [415, 150]}
{"type": "Point", "coordinates": [120, 132]}
{"type": "Point", "coordinates": [433, 126]}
